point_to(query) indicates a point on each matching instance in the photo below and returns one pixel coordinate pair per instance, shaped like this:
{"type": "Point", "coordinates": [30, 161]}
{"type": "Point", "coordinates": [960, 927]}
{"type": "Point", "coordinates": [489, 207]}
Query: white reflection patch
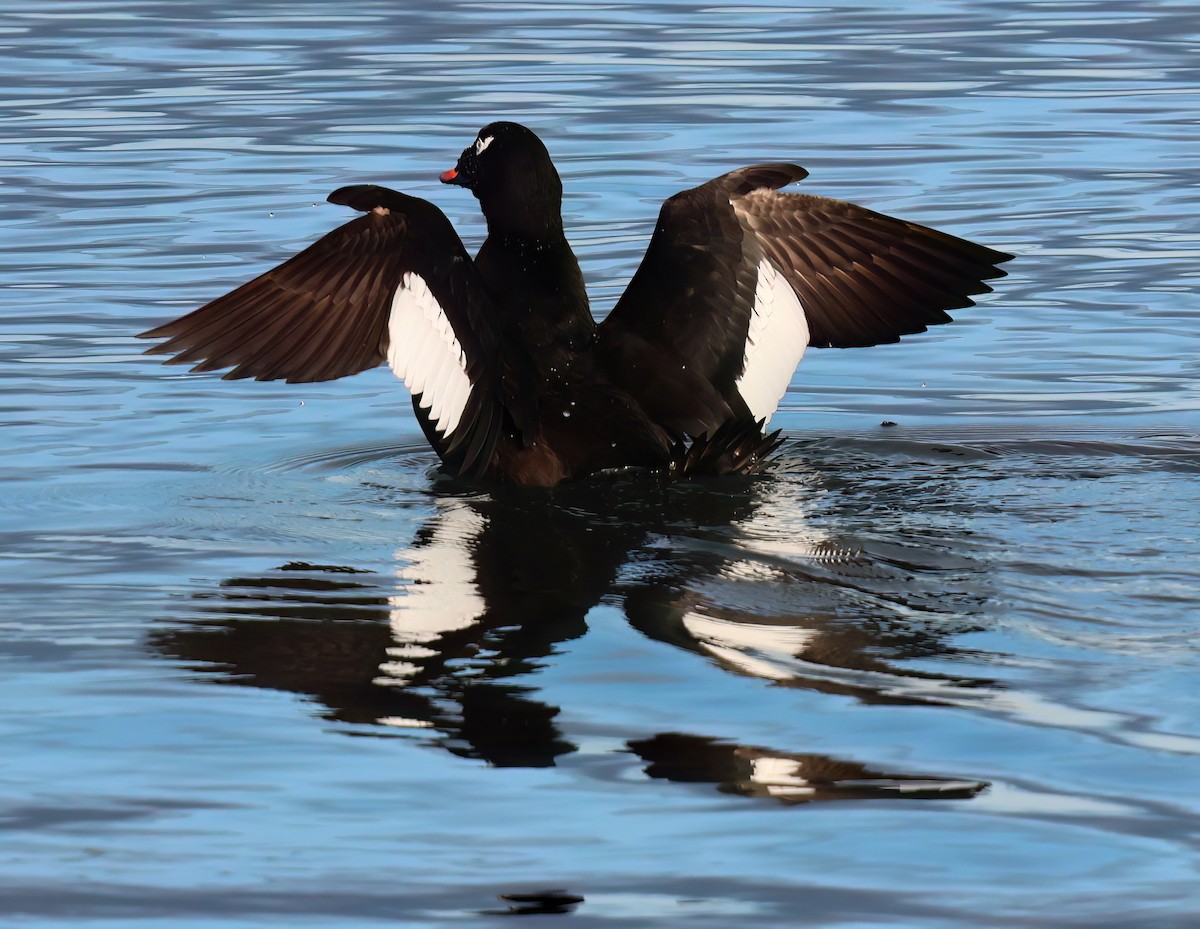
{"type": "Point", "coordinates": [440, 593]}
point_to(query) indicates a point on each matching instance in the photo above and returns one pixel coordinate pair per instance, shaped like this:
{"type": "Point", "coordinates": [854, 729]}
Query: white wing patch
{"type": "Point", "coordinates": [424, 352]}
{"type": "Point", "coordinates": [775, 344]}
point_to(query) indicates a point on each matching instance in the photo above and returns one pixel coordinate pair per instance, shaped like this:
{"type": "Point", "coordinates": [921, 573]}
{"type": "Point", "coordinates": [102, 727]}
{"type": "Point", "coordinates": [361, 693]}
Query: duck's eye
{"type": "Point", "coordinates": [481, 144]}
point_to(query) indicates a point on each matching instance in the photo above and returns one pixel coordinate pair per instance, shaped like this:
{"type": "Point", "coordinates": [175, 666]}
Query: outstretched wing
{"type": "Point", "coordinates": [395, 285]}
{"type": "Point", "coordinates": [739, 279]}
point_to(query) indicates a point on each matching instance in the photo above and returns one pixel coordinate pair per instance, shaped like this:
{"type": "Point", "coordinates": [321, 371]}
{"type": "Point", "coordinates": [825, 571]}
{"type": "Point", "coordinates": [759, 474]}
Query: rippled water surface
{"type": "Point", "coordinates": [260, 666]}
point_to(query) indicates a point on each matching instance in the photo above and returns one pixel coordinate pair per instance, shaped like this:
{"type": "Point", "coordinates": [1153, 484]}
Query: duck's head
{"type": "Point", "coordinates": [509, 171]}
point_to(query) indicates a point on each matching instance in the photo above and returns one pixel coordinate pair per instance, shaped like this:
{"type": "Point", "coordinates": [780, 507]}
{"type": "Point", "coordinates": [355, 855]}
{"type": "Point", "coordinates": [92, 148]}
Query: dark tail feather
{"type": "Point", "coordinates": [737, 447]}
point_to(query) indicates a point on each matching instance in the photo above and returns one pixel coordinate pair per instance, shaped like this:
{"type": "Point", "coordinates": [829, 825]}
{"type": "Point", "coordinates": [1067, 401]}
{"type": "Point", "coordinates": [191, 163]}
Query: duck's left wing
{"type": "Point", "coordinates": [394, 285]}
{"type": "Point", "coordinates": [739, 279]}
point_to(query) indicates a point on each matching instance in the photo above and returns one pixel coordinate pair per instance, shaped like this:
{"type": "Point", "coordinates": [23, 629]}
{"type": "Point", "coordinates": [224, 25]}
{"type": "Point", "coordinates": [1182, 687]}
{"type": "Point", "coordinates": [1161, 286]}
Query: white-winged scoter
{"type": "Point", "coordinates": [512, 379]}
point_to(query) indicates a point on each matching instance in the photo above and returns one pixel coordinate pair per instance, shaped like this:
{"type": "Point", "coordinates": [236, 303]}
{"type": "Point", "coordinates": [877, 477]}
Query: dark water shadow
{"type": "Point", "coordinates": [447, 647]}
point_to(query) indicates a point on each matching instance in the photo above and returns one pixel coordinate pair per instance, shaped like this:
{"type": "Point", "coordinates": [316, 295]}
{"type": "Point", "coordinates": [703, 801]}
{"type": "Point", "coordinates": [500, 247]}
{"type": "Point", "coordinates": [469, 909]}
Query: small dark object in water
{"type": "Point", "coordinates": [541, 902]}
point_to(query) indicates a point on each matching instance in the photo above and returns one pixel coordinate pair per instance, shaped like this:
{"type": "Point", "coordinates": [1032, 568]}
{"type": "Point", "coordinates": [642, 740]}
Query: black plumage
{"type": "Point", "coordinates": [536, 392]}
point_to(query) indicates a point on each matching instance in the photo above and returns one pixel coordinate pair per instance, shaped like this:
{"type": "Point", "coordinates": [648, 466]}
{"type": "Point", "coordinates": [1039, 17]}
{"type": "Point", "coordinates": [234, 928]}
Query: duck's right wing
{"type": "Point", "coordinates": [738, 279]}
{"type": "Point", "coordinates": [394, 285]}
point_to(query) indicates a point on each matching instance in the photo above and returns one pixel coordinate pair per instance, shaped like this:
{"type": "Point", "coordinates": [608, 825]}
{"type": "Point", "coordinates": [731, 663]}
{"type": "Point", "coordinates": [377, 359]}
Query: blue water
{"type": "Point", "coordinates": [260, 666]}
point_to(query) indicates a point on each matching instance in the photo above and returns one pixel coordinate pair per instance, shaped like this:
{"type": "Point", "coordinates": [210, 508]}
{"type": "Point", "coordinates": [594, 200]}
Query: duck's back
{"type": "Point", "coordinates": [582, 422]}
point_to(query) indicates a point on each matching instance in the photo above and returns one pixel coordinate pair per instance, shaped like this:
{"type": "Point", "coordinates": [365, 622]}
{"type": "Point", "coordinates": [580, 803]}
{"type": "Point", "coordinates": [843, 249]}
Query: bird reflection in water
{"type": "Point", "coordinates": [752, 771]}
{"type": "Point", "coordinates": [449, 646]}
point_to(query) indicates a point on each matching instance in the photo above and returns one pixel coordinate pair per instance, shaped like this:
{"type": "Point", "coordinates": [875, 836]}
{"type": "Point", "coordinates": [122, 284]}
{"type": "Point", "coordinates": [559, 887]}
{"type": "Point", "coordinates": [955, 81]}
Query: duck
{"type": "Point", "coordinates": [512, 379]}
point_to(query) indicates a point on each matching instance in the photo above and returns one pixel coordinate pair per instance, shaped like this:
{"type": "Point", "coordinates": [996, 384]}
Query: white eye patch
{"type": "Point", "coordinates": [481, 144]}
